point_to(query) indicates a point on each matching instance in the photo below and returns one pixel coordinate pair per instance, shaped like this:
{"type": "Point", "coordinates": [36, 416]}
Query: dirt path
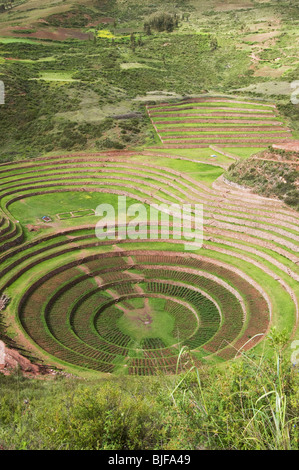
{"type": "Point", "coordinates": [289, 146]}
{"type": "Point", "coordinates": [222, 121]}
{"type": "Point", "coordinates": [281, 162]}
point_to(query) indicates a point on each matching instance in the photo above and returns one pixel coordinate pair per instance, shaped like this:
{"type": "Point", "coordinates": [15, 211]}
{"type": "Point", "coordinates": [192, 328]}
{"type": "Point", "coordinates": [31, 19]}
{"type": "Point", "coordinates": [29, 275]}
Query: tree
{"type": "Point", "coordinates": [213, 43]}
{"type": "Point", "coordinates": [132, 42]}
{"type": "Point", "coordinates": [147, 29]}
{"type": "Point", "coordinates": [139, 41]}
{"type": "Point", "coordinates": [161, 21]}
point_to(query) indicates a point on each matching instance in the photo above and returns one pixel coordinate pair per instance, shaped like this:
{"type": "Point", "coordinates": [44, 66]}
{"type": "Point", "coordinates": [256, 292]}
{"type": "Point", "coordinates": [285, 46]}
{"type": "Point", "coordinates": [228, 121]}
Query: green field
{"type": "Point", "coordinates": [63, 104]}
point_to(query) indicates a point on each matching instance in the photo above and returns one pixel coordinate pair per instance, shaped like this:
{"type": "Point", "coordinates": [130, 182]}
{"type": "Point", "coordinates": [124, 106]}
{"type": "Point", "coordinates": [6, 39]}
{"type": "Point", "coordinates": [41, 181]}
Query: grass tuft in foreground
{"type": "Point", "coordinates": [252, 403]}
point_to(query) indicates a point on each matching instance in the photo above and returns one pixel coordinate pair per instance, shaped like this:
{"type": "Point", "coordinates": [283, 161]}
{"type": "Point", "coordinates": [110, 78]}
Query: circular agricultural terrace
{"type": "Point", "coordinates": [140, 314]}
{"type": "Point", "coordinates": [129, 306]}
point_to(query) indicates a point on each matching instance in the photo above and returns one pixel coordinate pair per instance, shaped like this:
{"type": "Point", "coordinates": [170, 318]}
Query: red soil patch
{"type": "Point", "coordinates": [43, 21]}
{"type": "Point", "coordinates": [220, 121]}
{"type": "Point", "coordinates": [102, 20]}
{"type": "Point", "coordinates": [217, 140]}
{"type": "Point", "coordinates": [215, 109]}
{"type": "Point", "coordinates": [19, 28]}
{"type": "Point", "coordinates": [33, 228]}
{"type": "Point", "coordinates": [251, 143]}
{"type": "Point", "coordinates": [11, 359]}
{"type": "Point", "coordinates": [232, 136]}
{"type": "Point", "coordinates": [178, 130]}
{"type": "Point", "coordinates": [60, 34]}
{"type": "Point", "coordinates": [228, 114]}
{"type": "Point", "coordinates": [289, 146]}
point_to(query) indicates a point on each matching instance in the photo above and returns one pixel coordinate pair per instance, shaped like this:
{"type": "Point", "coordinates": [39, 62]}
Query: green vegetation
{"type": "Point", "coordinates": [67, 104]}
{"type": "Point", "coordinates": [270, 176]}
{"type": "Point", "coordinates": [161, 21]}
{"type": "Point", "coordinates": [252, 405]}
{"type": "Point", "coordinates": [87, 320]}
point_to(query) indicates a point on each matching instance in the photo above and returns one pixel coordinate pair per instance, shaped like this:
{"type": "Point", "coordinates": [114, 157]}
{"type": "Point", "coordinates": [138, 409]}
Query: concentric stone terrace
{"type": "Point", "coordinates": [136, 309]}
{"type": "Point", "coordinates": [128, 307]}
{"type": "Point", "coordinates": [200, 122]}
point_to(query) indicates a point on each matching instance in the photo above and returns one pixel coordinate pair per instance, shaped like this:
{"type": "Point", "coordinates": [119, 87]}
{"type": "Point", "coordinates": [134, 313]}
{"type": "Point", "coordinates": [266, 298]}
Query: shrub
{"type": "Point", "coordinates": [161, 21]}
{"type": "Point", "coordinates": [106, 418]}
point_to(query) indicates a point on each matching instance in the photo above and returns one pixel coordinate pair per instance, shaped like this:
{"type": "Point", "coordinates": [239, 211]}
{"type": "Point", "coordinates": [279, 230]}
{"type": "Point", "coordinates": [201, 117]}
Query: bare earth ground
{"type": "Point", "coordinates": [11, 359]}
{"type": "Point", "coordinates": [57, 34]}
{"type": "Point", "coordinates": [291, 146]}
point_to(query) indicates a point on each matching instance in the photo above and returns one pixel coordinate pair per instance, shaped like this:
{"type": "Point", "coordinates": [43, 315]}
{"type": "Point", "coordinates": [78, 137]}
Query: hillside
{"type": "Point", "coordinates": [55, 100]}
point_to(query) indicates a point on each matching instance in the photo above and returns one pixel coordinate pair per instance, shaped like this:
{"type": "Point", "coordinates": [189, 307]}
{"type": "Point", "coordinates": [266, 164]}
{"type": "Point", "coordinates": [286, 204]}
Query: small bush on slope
{"type": "Point", "coordinates": [250, 404]}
